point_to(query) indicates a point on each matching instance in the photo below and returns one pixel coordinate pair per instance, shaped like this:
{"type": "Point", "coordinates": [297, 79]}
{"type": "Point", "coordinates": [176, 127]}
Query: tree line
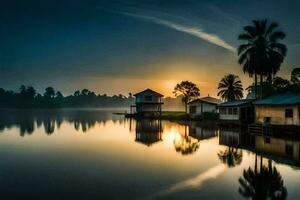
{"type": "Point", "coordinates": [28, 97]}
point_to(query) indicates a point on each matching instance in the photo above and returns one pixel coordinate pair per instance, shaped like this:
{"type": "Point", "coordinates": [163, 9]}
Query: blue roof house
{"type": "Point", "coordinates": [283, 109]}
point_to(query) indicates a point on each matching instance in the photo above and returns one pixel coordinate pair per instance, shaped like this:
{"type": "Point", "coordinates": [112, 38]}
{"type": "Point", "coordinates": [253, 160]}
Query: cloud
{"type": "Point", "coordinates": [195, 182]}
{"type": "Point", "coordinates": [192, 30]}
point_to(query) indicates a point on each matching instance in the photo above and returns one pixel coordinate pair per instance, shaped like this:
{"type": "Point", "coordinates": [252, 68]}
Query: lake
{"type": "Point", "coordinates": [94, 154]}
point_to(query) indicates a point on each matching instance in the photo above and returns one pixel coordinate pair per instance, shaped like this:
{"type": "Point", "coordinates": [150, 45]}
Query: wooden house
{"type": "Point", "coordinates": [205, 104]}
{"type": "Point", "coordinates": [147, 103]}
{"type": "Point", "coordinates": [281, 109]}
{"type": "Point", "coordinates": [237, 111]}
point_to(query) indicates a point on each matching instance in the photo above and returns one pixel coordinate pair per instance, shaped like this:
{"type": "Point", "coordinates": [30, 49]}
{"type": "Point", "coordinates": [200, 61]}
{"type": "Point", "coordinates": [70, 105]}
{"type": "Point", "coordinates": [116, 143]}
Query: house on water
{"type": "Point", "coordinates": [205, 104]}
{"type": "Point", "coordinates": [239, 111]}
{"type": "Point", "coordinates": [148, 103]}
{"type": "Point", "coordinates": [281, 109]}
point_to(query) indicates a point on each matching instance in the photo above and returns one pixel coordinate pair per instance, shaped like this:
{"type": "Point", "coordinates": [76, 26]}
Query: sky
{"type": "Point", "coordinates": [114, 46]}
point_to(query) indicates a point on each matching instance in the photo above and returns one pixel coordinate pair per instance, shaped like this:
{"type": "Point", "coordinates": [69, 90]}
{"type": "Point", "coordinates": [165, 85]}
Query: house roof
{"type": "Point", "coordinates": [207, 99]}
{"type": "Point", "coordinates": [282, 99]}
{"type": "Point", "coordinates": [149, 90]}
{"type": "Point", "coordinates": [236, 103]}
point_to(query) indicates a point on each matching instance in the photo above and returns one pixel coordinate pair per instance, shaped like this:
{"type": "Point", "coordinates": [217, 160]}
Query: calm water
{"type": "Point", "coordinates": [93, 154]}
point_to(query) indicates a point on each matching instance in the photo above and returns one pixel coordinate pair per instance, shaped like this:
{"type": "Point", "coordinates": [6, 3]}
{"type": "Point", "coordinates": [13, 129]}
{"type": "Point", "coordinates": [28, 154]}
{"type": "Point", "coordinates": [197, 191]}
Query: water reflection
{"type": "Point", "coordinates": [189, 140]}
{"type": "Point", "coordinates": [281, 150]}
{"type": "Point", "coordinates": [234, 140]}
{"type": "Point", "coordinates": [28, 120]}
{"type": "Point", "coordinates": [190, 159]}
{"type": "Point", "coordinates": [264, 182]}
{"type": "Point", "coordinates": [148, 131]}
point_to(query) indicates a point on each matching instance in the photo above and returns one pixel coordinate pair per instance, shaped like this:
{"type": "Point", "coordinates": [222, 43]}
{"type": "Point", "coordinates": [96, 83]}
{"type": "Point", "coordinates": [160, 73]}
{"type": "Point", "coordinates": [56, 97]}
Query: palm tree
{"type": "Point", "coordinates": [230, 88]}
{"type": "Point", "coordinates": [261, 54]}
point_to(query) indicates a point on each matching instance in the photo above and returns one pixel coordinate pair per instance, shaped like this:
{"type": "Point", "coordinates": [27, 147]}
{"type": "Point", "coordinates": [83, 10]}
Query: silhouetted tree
{"type": "Point", "coordinates": [261, 54]}
{"type": "Point", "coordinates": [230, 88]}
{"type": "Point", "coordinates": [188, 90]}
{"type": "Point", "coordinates": [295, 76]}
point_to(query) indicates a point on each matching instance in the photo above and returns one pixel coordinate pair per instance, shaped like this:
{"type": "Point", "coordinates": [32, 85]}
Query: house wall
{"type": "Point", "coordinates": [277, 114]}
{"type": "Point", "coordinates": [142, 97]}
{"type": "Point", "coordinates": [227, 116]}
{"type": "Point", "coordinates": [148, 107]}
{"type": "Point", "coordinates": [207, 107]}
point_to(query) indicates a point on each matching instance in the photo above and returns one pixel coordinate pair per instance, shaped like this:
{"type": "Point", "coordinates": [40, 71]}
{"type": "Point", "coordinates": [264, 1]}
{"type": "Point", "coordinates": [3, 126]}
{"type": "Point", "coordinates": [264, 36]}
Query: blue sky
{"type": "Point", "coordinates": [124, 46]}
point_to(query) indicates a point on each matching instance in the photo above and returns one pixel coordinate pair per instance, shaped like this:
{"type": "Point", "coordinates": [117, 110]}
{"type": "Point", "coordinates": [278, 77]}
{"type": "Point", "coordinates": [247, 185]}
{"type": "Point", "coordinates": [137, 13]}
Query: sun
{"type": "Point", "coordinates": [168, 87]}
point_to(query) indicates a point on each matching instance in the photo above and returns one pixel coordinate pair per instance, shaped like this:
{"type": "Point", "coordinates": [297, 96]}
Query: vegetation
{"type": "Point", "coordinates": [27, 97]}
{"type": "Point", "coordinates": [230, 88]}
{"type": "Point", "coordinates": [188, 90]}
{"type": "Point", "coordinates": [261, 54]}
{"type": "Point", "coordinates": [280, 85]}
{"type": "Point", "coordinates": [174, 115]}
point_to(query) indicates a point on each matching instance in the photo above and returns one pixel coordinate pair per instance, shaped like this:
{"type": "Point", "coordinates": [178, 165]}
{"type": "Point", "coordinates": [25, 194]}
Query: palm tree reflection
{"type": "Point", "coordinates": [186, 144]}
{"type": "Point", "coordinates": [265, 183]}
{"type": "Point", "coordinates": [231, 156]}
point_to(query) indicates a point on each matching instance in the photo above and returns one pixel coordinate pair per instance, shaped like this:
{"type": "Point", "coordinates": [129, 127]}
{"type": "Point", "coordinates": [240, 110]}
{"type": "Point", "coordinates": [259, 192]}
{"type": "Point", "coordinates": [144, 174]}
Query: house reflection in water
{"type": "Point", "coordinates": [280, 150]}
{"type": "Point", "coordinates": [148, 131]}
{"type": "Point", "coordinates": [236, 138]}
{"type": "Point", "coordinates": [202, 133]}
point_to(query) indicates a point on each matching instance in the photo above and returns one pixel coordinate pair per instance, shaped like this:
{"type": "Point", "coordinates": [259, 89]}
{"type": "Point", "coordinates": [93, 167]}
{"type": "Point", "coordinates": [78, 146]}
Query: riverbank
{"type": "Point", "coordinates": [177, 116]}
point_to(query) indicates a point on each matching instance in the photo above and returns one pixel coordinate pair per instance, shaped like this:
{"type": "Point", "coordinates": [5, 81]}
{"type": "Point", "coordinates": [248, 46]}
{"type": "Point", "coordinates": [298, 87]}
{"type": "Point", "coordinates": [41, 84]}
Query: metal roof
{"type": "Point", "coordinates": [236, 103]}
{"type": "Point", "coordinates": [207, 99]}
{"type": "Point", "coordinates": [149, 90]}
{"type": "Point", "coordinates": [282, 99]}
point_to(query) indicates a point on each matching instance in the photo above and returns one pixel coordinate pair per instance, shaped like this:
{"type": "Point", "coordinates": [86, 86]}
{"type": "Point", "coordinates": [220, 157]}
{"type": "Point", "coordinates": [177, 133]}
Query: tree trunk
{"type": "Point", "coordinates": [261, 86]}
{"type": "Point", "coordinates": [255, 165]}
{"type": "Point", "coordinates": [255, 85]}
{"type": "Point", "coordinates": [186, 107]}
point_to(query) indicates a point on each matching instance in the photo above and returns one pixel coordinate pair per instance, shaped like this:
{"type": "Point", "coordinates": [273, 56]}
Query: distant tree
{"type": "Point", "coordinates": [22, 89]}
{"type": "Point", "coordinates": [230, 88]}
{"type": "Point", "coordinates": [49, 92]}
{"type": "Point", "coordinates": [59, 95]}
{"type": "Point", "coordinates": [85, 92]}
{"type": "Point", "coordinates": [31, 92]}
{"type": "Point", "coordinates": [295, 76]}
{"type": "Point", "coordinates": [280, 84]}
{"type": "Point", "coordinates": [261, 54]}
{"type": "Point", "coordinates": [77, 93]}
{"type": "Point", "coordinates": [188, 90]}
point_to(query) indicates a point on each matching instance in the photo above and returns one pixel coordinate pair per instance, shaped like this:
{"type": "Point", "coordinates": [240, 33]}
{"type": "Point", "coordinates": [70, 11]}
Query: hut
{"type": "Point", "coordinates": [147, 104]}
{"type": "Point", "coordinates": [283, 109]}
{"type": "Point", "coordinates": [205, 104]}
{"type": "Point", "coordinates": [240, 111]}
